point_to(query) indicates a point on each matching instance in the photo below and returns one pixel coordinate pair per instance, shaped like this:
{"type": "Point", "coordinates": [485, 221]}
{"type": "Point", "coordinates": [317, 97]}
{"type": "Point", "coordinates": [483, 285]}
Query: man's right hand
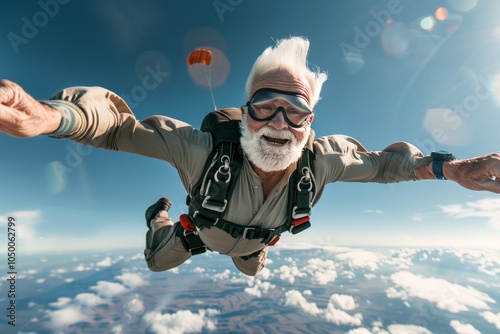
{"type": "Point", "coordinates": [23, 116]}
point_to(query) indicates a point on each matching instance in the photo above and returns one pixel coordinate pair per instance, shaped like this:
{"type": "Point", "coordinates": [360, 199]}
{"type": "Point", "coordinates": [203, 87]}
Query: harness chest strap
{"type": "Point", "coordinates": [205, 214]}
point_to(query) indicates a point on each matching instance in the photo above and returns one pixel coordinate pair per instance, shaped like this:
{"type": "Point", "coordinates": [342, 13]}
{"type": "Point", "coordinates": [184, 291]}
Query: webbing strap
{"type": "Point", "coordinates": [207, 207]}
{"type": "Point", "coordinates": [306, 187]}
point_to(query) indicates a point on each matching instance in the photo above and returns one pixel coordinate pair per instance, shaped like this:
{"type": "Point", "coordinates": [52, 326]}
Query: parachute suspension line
{"type": "Point", "coordinates": [204, 57]}
{"type": "Point", "coordinates": [208, 76]}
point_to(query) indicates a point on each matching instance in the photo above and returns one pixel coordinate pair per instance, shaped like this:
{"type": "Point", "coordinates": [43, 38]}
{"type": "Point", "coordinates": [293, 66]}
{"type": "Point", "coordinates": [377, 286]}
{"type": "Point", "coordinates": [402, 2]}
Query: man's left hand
{"type": "Point", "coordinates": [479, 173]}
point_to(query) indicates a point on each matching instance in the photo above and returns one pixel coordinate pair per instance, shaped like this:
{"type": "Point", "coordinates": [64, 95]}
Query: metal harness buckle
{"type": "Point", "coordinates": [213, 207]}
{"type": "Point", "coordinates": [246, 230]}
{"type": "Point", "coordinates": [296, 215]}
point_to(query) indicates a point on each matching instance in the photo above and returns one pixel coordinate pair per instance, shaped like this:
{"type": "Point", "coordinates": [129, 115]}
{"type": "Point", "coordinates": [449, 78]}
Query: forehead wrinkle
{"type": "Point", "coordinates": [281, 79]}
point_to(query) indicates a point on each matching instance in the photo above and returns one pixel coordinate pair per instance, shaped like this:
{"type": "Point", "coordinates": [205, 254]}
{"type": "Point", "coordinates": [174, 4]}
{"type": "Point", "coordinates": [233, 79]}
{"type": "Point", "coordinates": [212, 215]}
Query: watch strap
{"type": "Point", "coordinates": [437, 168]}
{"type": "Point", "coordinates": [438, 159]}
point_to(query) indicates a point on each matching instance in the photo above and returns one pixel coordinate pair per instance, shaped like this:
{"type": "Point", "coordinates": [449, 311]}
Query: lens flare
{"type": "Point", "coordinates": [441, 14]}
{"type": "Point", "coordinates": [427, 23]}
{"type": "Point", "coordinates": [447, 126]}
{"type": "Point", "coordinates": [495, 85]}
{"type": "Point", "coordinates": [217, 71]}
{"type": "Point", "coordinates": [462, 5]}
{"type": "Point", "coordinates": [395, 39]}
{"type": "Point", "coordinates": [56, 177]}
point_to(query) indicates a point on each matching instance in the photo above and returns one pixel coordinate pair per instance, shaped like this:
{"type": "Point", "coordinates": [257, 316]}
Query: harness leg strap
{"type": "Point", "coordinates": [189, 236]}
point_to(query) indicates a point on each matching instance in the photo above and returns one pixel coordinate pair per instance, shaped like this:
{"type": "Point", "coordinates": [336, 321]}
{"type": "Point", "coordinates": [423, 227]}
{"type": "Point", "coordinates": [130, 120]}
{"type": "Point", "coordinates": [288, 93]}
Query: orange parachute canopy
{"type": "Point", "coordinates": [200, 56]}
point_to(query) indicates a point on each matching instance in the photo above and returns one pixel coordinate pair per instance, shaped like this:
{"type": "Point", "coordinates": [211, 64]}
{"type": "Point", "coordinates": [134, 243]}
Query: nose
{"type": "Point", "coordinates": [278, 122]}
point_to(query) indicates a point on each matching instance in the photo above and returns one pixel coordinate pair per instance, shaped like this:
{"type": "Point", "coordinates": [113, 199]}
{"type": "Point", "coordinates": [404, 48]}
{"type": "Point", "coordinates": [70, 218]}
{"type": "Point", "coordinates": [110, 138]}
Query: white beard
{"type": "Point", "coordinates": [266, 156]}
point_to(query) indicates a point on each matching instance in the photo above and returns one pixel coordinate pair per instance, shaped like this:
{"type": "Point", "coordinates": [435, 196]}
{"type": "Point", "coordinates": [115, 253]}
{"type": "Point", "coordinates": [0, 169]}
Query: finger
{"type": "Point", "coordinates": [492, 185]}
{"type": "Point", "coordinates": [12, 121]}
{"type": "Point", "coordinates": [7, 91]}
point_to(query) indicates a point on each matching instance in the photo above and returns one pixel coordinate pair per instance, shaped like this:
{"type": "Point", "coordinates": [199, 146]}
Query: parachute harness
{"type": "Point", "coordinates": [208, 205]}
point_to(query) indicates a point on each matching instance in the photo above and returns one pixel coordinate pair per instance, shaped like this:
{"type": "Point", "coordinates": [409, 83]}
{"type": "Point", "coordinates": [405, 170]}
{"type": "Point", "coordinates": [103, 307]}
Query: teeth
{"type": "Point", "coordinates": [276, 141]}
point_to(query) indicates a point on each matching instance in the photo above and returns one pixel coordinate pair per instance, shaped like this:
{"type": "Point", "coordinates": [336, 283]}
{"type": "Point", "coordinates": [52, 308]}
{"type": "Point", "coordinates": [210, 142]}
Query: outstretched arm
{"type": "Point", "coordinates": [23, 116]}
{"type": "Point", "coordinates": [345, 159]}
{"type": "Point", "coordinates": [479, 173]}
{"type": "Point", "coordinates": [98, 117]}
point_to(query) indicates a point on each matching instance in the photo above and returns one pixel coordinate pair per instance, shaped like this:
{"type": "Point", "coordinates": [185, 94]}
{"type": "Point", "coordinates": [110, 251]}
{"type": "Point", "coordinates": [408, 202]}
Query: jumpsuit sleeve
{"type": "Point", "coordinates": [342, 158]}
{"type": "Point", "coordinates": [99, 118]}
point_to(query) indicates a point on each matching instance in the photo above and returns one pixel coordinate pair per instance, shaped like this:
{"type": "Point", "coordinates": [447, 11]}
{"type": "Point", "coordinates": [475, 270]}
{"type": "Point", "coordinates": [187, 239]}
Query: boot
{"type": "Point", "coordinates": [158, 222]}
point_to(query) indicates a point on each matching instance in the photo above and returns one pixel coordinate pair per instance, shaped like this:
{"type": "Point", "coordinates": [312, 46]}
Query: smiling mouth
{"type": "Point", "coordinates": [276, 141]}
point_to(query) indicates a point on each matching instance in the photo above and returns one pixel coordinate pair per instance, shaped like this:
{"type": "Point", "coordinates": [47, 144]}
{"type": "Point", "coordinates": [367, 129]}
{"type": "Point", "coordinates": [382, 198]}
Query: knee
{"type": "Point", "coordinates": [154, 267]}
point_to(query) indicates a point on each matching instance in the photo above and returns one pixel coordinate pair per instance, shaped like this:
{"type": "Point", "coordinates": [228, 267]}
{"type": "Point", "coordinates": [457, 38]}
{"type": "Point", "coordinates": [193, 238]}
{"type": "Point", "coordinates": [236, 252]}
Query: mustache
{"type": "Point", "coordinates": [278, 134]}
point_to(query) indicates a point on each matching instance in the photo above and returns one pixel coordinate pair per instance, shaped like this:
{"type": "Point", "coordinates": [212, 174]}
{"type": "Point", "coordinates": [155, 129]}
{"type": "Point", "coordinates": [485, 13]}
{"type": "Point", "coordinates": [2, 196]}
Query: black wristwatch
{"type": "Point", "coordinates": [438, 158]}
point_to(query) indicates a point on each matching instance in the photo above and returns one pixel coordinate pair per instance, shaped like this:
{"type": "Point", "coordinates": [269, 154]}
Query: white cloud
{"type": "Point", "coordinates": [401, 258]}
{"type": "Point", "coordinates": [348, 274]}
{"type": "Point", "coordinates": [264, 273]}
{"type": "Point", "coordinates": [132, 280]}
{"type": "Point", "coordinates": [108, 289]}
{"type": "Point", "coordinates": [488, 208]}
{"type": "Point", "coordinates": [360, 259]}
{"type": "Point", "coordinates": [295, 298]}
{"type": "Point", "coordinates": [222, 276]}
{"type": "Point", "coordinates": [135, 306]}
{"type": "Point", "coordinates": [448, 296]}
{"type": "Point", "coordinates": [67, 316]}
{"type": "Point", "coordinates": [118, 329]}
{"type": "Point", "coordinates": [25, 223]}
{"type": "Point", "coordinates": [198, 270]}
{"type": "Point", "coordinates": [57, 272]}
{"type": "Point", "coordinates": [322, 272]}
{"type": "Point", "coordinates": [331, 313]}
{"type": "Point", "coordinates": [393, 293]}
{"type": "Point", "coordinates": [359, 331]}
{"type": "Point", "coordinates": [380, 212]}
{"type": "Point", "coordinates": [477, 281]}
{"type": "Point", "coordinates": [288, 273]}
{"type": "Point", "coordinates": [183, 321]}
{"type": "Point", "coordinates": [258, 287]}
{"type": "Point", "coordinates": [407, 329]}
{"type": "Point", "coordinates": [417, 218]}
{"type": "Point", "coordinates": [345, 302]}
{"type": "Point", "coordinates": [61, 301]}
{"type": "Point", "coordinates": [341, 317]}
{"type": "Point", "coordinates": [105, 262]}
{"type": "Point", "coordinates": [492, 318]}
{"type": "Point", "coordinates": [89, 299]}
{"type": "Point", "coordinates": [82, 267]}
{"type": "Point", "coordinates": [462, 328]}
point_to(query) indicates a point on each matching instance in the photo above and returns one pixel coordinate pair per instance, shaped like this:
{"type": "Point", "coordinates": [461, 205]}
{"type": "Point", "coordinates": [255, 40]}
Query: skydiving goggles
{"type": "Point", "coordinates": [266, 103]}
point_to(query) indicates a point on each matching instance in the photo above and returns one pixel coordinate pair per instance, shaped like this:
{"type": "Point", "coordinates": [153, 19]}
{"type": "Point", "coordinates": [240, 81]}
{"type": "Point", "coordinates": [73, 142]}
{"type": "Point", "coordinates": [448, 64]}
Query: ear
{"type": "Point", "coordinates": [310, 119]}
{"type": "Point", "coordinates": [244, 109]}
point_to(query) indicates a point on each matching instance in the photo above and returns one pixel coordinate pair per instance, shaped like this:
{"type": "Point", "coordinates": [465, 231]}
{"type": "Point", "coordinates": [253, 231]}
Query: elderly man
{"type": "Point", "coordinates": [275, 128]}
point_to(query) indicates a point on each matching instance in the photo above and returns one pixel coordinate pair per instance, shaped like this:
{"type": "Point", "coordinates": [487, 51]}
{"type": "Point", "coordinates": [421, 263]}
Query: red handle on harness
{"type": "Point", "coordinates": [186, 222]}
{"type": "Point", "coordinates": [300, 224]}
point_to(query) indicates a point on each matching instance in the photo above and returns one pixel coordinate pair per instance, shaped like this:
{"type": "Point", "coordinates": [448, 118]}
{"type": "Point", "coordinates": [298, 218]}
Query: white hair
{"type": "Point", "coordinates": [289, 54]}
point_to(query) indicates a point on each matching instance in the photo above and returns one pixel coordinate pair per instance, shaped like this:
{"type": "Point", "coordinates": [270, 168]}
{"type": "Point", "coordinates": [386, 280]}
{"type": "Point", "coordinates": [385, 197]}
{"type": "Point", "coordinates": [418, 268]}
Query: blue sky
{"type": "Point", "coordinates": [398, 71]}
